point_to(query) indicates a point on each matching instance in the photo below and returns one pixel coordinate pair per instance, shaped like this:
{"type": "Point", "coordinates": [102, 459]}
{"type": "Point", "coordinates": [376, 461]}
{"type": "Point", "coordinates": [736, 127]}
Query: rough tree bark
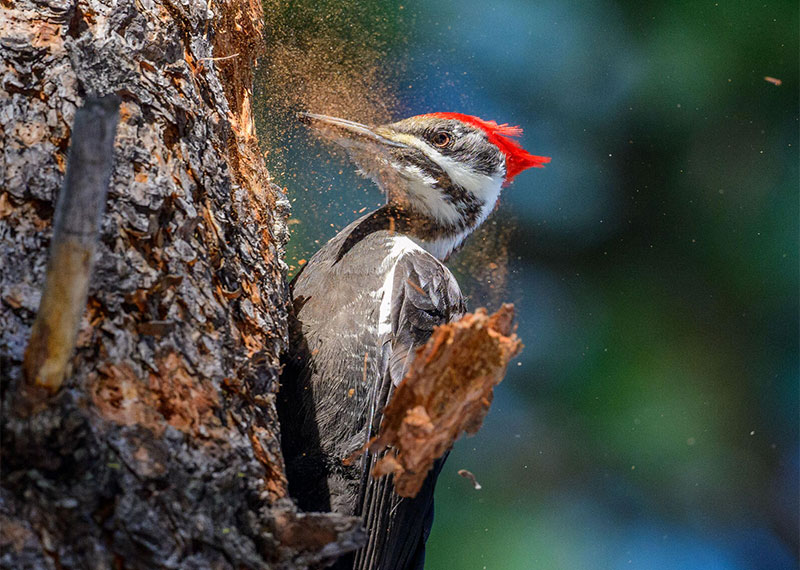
{"type": "Point", "coordinates": [161, 449]}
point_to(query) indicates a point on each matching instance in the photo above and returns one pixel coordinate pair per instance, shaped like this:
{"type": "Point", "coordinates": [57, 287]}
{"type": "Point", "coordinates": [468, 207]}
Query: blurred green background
{"type": "Point", "coordinates": [652, 419]}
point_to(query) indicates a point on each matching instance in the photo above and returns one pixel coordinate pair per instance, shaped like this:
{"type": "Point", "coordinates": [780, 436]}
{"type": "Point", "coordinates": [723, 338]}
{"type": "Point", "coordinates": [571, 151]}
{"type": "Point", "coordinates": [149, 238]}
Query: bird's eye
{"type": "Point", "coordinates": [441, 139]}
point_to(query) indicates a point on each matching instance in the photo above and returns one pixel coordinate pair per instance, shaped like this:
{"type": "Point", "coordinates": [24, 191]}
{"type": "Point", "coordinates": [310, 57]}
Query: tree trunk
{"type": "Point", "coordinates": [161, 448]}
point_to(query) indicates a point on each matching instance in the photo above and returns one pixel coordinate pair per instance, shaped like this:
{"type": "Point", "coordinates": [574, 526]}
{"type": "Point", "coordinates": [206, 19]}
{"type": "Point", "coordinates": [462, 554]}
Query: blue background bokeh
{"type": "Point", "coordinates": [652, 420]}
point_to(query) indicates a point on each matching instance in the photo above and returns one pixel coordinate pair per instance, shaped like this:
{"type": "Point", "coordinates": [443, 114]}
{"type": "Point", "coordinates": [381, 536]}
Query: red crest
{"type": "Point", "coordinates": [517, 158]}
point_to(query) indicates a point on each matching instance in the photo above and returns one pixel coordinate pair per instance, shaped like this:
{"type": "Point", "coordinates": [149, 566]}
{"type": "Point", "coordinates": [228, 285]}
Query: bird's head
{"type": "Point", "coordinates": [444, 170]}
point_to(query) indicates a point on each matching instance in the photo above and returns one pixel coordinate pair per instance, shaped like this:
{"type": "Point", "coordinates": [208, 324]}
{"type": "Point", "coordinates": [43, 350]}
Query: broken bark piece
{"type": "Point", "coordinates": [466, 474]}
{"type": "Point", "coordinates": [447, 391]}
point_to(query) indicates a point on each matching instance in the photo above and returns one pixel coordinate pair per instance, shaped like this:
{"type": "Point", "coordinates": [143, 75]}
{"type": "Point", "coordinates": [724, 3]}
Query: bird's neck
{"type": "Point", "coordinates": [439, 238]}
{"type": "Point", "coordinates": [437, 234]}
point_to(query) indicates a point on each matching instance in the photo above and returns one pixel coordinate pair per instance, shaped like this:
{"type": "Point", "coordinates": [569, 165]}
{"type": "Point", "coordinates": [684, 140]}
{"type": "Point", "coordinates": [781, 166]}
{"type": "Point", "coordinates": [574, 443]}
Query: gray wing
{"type": "Point", "coordinates": [425, 294]}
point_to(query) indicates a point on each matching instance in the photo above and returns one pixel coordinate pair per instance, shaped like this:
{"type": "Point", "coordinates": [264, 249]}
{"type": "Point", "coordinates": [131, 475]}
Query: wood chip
{"type": "Point", "coordinates": [469, 475]}
{"type": "Point", "coordinates": [446, 392]}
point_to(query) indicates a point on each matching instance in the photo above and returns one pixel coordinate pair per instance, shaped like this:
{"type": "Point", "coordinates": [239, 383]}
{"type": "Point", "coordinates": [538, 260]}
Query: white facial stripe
{"type": "Point", "coordinates": [417, 191]}
{"type": "Point", "coordinates": [484, 188]}
{"type": "Point", "coordinates": [412, 171]}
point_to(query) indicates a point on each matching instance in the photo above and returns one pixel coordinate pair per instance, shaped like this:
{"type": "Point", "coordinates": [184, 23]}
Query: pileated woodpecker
{"type": "Point", "coordinates": [368, 298]}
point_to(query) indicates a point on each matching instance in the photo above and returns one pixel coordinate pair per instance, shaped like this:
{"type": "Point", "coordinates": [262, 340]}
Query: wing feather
{"type": "Point", "coordinates": [424, 295]}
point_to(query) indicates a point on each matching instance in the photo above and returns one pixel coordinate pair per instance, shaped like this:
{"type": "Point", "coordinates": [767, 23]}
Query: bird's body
{"type": "Point", "coordinates": [364, 302]}
{"type": "Point", "coordinates": [349, 314]}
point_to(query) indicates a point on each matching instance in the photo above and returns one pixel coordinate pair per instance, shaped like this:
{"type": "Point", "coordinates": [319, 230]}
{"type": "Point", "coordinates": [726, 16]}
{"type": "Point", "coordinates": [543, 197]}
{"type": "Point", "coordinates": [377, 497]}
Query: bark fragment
{"type": "Point", "coordinates": [446, 392]}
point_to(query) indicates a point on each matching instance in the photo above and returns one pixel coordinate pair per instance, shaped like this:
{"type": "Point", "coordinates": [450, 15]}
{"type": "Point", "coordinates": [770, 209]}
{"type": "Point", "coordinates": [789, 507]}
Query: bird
{"type": "Point", "coordinates": [368, 298]}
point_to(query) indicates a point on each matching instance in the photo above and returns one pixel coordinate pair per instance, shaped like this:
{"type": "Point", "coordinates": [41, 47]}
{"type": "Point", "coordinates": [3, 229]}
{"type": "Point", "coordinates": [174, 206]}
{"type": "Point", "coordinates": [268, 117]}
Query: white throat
{"type": "Point", "coordinates": [484, 188]}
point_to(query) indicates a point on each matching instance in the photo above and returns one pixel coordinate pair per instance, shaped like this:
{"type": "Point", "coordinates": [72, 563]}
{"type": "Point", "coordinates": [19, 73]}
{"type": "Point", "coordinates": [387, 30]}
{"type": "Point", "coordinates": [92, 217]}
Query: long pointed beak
{"type": "Point", "coordinates": [349, 134]}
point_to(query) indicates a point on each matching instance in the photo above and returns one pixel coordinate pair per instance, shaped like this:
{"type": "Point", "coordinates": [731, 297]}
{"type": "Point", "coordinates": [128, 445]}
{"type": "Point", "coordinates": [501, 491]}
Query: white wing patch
{"type": "Point", "coordinates": [400, 246]}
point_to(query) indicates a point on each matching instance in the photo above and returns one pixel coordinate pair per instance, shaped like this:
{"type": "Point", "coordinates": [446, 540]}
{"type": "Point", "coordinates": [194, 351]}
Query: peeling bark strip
{"type": "Point", "coordinates": [447, 391]}
{"type": "Point", "coordinates": [77, 221]}
{"type": "Point", "coordinates": [161, 449]}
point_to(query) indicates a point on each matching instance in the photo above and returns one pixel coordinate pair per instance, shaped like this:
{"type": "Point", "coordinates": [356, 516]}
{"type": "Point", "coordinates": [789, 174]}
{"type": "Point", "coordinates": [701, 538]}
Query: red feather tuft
{"type": "Point", "coordinates": [517, 158]}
